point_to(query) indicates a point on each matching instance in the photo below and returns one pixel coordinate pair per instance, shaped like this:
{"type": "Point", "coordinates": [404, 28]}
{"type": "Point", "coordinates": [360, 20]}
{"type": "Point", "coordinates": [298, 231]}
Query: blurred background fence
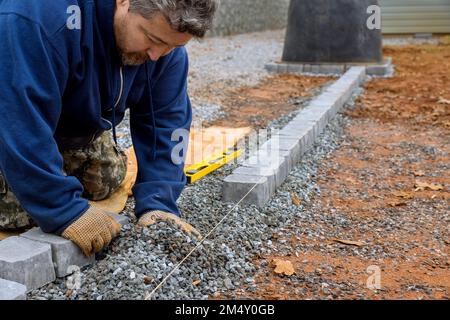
{"type": "Point", "coordinates": [398, 16]}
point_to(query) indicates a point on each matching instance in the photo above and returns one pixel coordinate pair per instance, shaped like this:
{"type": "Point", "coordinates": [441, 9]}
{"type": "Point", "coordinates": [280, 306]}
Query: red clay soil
{"type": "Point", "coordinates": [257, 106]}
{"type": "Point", "coordinates": [398, 139]}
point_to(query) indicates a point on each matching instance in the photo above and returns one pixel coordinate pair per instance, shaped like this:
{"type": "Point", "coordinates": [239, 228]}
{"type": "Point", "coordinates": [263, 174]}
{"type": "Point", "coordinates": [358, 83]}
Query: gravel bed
{"type": "Point", "coordinates": [235, 60]}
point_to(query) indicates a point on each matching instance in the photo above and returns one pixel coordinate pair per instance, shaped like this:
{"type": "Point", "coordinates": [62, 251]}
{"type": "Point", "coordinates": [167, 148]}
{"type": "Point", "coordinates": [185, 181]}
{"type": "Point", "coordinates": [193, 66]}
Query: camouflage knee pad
{"type": "Point", "coordinates": [100, 167]}
{"type": "Point", "coordinates": [12, 216]}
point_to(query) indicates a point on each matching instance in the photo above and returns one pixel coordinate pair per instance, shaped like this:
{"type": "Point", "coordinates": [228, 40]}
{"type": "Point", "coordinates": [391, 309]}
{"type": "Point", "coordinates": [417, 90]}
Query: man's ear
{"type": "Point", "coordinates": [123, 5]}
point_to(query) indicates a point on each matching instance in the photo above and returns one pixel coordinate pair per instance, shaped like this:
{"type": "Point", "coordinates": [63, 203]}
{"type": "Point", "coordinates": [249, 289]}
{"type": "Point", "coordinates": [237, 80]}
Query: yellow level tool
{"type": "Point", "coordinates": [199, 170]}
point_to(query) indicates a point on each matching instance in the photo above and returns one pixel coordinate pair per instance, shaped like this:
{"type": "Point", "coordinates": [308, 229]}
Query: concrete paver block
{"type": "Point", "coordinates": [332, 69]}
{"type": "Point", "coordinates": [236, 186]}
{"type": "Point", "coordinates": [282, 68]}
{"type": "Point", "coordinates": [307, 68]}
{"type": "Point", "coordinates": [267, 172]}
{"type": "Point", "coordinates": [271, 160]}
{"type": "Point", "coordinates": [65, 253]}
{"type": "Point", "coordinates": [289, 148]}
{"type": "Point", "coordinates": [295, 129]}
{"type": "Point", "coordinates": [272, 67]}
{"type": "Point", "coordinates": [10, 290]}
{"type": "Point", "coordinates": [27, 262]}
{"type": "Point", "coordinates": [295, 68]}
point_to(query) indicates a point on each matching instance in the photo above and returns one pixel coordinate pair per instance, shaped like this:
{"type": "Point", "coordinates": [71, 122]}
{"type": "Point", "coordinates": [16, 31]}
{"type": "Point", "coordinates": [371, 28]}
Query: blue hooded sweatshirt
{"type": "Point", "coordinates": [59, 83]}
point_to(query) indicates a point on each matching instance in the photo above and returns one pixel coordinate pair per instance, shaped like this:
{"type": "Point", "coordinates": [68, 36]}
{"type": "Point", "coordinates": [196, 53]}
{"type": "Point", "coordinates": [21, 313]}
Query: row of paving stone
{"type": "Point", "coordinates": [35, 258]}
{"type": "Point", "coordinates": [257, 179]}
{"type": "Point", "coordinates": [385, 68]}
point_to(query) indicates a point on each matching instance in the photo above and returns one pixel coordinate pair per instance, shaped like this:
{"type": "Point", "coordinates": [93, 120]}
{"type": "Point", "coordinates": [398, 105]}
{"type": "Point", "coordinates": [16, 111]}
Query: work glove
{"type": "Point", "coordinates": [157, 216]}
{"type": "Point", "coordinates": [93, 231]}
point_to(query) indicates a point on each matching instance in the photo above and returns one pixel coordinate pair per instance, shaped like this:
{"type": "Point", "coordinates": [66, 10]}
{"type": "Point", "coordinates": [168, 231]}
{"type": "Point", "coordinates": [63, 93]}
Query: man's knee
{"type": "Point", "coordinates": [12, 215]}
{"type": "Point", "coordinates": [100, 167]}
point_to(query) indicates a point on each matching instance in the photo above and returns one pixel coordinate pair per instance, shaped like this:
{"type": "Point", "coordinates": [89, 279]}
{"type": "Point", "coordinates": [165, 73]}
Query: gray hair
{"type": "Point", "coordinates": [191, 16]}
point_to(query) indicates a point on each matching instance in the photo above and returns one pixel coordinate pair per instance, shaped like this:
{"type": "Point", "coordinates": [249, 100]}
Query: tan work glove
{"type": "Point", "coordinates": [156, 216]}
{"type": "Point", "coordinates": [93, 231]}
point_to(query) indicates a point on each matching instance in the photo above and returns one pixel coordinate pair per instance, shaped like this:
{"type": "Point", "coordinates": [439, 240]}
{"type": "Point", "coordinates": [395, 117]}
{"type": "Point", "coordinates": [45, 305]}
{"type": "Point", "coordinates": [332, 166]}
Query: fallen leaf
{"type": "Point", "coordinates": [295, 199]}
{"type": "Point", "coordinates": [349, 242]}
{"type": "Point", "coordinates": [276, 297]}
{"type": "Point", "coordinates": [422, 186]}
{"type": "Point", "coordinates": [404, 195]}
{"type": "Point", "coordinates": [283, 267]}
{"type": "Point", "coordinates": [196, 282]}
{"type": "Point", "coordinates": [419, 173]}
{"type": "Point", "coordinates": [148, 280]}
{"type": "Point", "coordinates": [397, 204]}
{"type": "Point", "coordinates": [443, 101]}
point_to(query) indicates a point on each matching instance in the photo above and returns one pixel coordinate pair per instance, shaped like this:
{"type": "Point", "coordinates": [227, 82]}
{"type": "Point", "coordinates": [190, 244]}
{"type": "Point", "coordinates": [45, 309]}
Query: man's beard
{"type": "Point", "coordinates": [128, 59]}
{"type": "Point", "coordinates": [133, 59]}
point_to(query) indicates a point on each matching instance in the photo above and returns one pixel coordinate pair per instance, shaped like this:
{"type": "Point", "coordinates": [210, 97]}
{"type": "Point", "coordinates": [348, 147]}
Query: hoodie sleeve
{"type": "Point", "coordinates": [32, 80]}
{"type": "Point", "coordinates": [160, 126]}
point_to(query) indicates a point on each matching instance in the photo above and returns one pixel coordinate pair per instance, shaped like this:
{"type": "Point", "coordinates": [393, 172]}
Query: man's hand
{"type": "Point", "coordinates": [156, 216]}
{"type": "Point", "coordinates": [93, 231]}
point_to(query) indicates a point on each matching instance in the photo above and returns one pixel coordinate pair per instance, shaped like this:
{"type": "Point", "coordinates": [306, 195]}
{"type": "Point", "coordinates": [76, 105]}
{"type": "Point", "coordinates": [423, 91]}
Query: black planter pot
{"type": "Point", "coordinates": [331, 31]}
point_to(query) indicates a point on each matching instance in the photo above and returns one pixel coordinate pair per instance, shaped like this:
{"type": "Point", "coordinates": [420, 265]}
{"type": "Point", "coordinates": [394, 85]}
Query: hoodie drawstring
{"type": "Point", "coordinates": [150, 99]}
{"type": "Point", "coordinates": [114, 126]}
{"type": "Point", "coordinates": [116, 104]}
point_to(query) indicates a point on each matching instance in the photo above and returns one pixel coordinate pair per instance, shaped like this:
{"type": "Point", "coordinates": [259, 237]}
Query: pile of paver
{"type": "Point", "coordinates": [35, 258]}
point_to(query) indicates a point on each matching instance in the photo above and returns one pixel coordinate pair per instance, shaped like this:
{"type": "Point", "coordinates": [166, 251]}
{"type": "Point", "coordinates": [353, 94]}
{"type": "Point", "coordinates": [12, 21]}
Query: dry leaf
{"type": "Point", "coordinates": [196, 282]}
{"type": "Point", "coordinates": [69, 293]}
{"type": "Point", "coordinates": [295, 199]}
{"type": "Point", "coordinates": [404, 195]}
{"type": "Point", "coordinates": [443, 101]}
{"type": "Point", "coordinates": [397, 204]}
{"type": "Point", "coordinates": [349, 242]}
{"type": "Point", "coordinates": [283, 267]}
{"type": "Point", "coordinates": [148, 280]}
{"type": "Point", "coordinates": [422, 186]}
{"type": "Point", "coordinates": [419, 173]}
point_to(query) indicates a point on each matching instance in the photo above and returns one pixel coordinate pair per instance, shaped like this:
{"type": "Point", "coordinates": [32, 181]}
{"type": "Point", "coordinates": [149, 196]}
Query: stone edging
{"type": "Point", "coordinates": [385, 69]}
{"type": "Point", "coordinates": [268, 168]}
